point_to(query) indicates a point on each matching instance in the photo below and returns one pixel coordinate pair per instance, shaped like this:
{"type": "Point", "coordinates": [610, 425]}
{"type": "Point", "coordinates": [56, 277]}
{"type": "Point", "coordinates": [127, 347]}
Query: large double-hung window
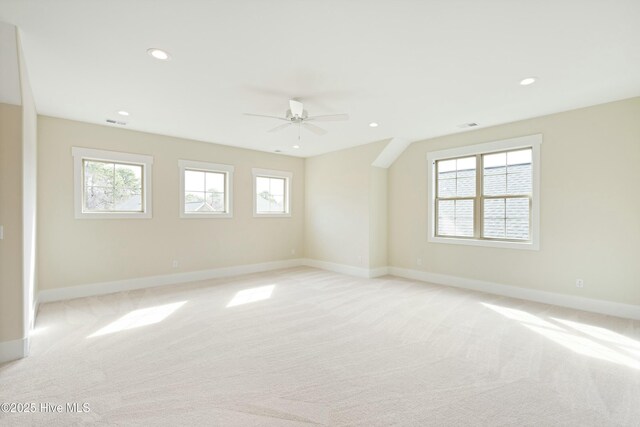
{"type": "Point", "coordinates": [486, 194]}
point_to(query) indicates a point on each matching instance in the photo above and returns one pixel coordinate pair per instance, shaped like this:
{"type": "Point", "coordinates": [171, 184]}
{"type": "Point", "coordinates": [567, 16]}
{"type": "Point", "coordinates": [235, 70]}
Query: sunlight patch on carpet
{"type": "Point", "coordinates": [251, 295]}
{"type": "Point", "coordinates": [140, 317]}
{"type": "Point", "coordinates": [590, 341]}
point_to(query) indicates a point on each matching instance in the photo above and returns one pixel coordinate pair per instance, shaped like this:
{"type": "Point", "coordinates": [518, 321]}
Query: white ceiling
{"type": "Point", "coordinates": [419, 68]}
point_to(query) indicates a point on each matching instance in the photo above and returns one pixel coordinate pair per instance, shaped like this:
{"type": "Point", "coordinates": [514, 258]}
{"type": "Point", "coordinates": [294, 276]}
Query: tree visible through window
{"type": "Point", "coordinates": [272, 193]}
{"type": "Point", "coordinates": [111, 184]}
{"type": "Point", "coordinates": [204, 191]}
{"type": "Point", "coordinates": [112, 187]}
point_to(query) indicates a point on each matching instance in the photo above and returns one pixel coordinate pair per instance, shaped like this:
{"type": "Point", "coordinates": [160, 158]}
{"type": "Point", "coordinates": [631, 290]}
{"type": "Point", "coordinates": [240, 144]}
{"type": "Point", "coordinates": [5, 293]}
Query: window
{"type": "Point", "coordinates": [272, 193]}
{"type": "Point", "coordinates": [205, 190]}
{"type": "Point", "coordinates": [507, 186]}
{"type": "Point", "coordinates": [487, 194]}
{"type": "Point", "coordinates": [109, 184]}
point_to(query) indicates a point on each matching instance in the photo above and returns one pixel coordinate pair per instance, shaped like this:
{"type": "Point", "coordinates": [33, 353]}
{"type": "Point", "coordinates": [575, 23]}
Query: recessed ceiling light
{"type": "Point", "coordinates": [159, 54]}
{"type": "Point", "coordinates": [296, 146]}
{"type": "Point", "coordinates": [528, 81]}
{"type": "Point", "coordinates": [373, 125]}
{"type": "Point", "coordinates": [123, 113]}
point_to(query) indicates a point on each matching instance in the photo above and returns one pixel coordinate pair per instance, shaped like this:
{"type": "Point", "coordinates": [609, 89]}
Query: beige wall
{"type": "Point", "coordinates": [378, 217]}
{"type": "Point", "coordinates": [338, 203]}
{"type": "Point", "coordinates": [590, 207]}
{"type": "Point", "coordinates": [590, 214]}
{"type": "Point", "coordinates": [79, 251]}
{"type": "Point", "coordinates": [11, 289]}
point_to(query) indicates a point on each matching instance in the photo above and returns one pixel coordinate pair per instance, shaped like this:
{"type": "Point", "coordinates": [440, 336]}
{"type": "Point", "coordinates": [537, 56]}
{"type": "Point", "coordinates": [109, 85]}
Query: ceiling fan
{"type": "Point", "coordinates": [297, 115]}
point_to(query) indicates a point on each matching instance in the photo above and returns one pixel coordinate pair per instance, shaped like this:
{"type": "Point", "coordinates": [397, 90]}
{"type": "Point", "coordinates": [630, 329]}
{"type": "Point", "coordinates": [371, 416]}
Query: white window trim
{"type": "Point", "coordinates": [533, 141]}
{"type": "Point", "coordinates": [80, 154]}
{"type": "Point", "coordinates": [207, 167]}
{"type": "Point", "coordinates": [268, 173]}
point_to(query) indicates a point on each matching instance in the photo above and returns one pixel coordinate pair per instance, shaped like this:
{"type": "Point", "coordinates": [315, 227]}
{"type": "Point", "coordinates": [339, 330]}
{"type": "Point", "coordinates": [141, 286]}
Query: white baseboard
{"type": "Point", "coordinates": [103, 288]}
{"type": "Point", "coordinates": [14, 350]}
{"type": "Point", "coordinates": [337, 268]}
{"type": "Point", "coordinates": [346, 269]}
{"type": "Point", "coordinates": [576, 302]}
{"type": "Point", "coordinates": [378, 272]}
{"type": "Point", "coordinates": [580, 303]}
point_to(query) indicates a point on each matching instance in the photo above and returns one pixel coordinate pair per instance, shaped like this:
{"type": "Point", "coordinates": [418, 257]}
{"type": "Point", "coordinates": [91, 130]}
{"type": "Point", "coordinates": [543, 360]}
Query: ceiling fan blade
{"type": "Point", "coordinates": [296, 107]}
{"type": "Point", "coordinates": [329, 118]}
{"type": "Point", "coordinates": [268, 117]}
{"type": "Point", "coordinates": [280, 127]}
{"type": "Point", "coordinates": [313, 128]}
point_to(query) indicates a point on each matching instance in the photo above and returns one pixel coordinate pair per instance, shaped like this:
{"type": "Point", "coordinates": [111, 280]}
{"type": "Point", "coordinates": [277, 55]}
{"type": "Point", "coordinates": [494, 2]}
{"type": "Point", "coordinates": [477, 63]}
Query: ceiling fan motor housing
{"type": "Point", "coordinates": [296, 119]}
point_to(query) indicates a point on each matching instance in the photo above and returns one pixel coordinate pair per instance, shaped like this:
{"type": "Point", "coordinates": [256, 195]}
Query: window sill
{"type": "Point", "coordinates": [271, 215]}
{"type": "Point", "coordinates": [531, 246]}
{"type": "Point", "coordinates": [205, 215]}
{"type": "Point", "coordinates": [114, 215]}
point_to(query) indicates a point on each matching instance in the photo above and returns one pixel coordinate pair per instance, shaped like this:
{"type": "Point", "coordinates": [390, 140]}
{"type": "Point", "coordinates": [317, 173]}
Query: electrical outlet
{"type": "Point", "coordinates": [419, 261]}
{"type": "Point", "coordinates": [175, 263]}
{"type": "Point", "coordinates": [579, 283]}
{"type": "Point", "coordinates": [293, 251]}
{"type": "Point", "coordinates": [360, 259]}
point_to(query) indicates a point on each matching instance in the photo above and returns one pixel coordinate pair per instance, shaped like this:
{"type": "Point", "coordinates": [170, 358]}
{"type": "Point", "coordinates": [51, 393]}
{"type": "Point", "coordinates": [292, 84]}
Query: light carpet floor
{"type": "Point", "coordinates": [303, 346]}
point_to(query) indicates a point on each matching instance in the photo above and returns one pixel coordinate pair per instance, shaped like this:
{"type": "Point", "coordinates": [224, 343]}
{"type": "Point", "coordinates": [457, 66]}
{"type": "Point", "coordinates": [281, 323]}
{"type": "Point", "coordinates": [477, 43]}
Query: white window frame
{"type": "Point", "coordinates": [228, 170]}
{"type": "Point", "coordinates": [532, 141]}
{"type": "Point", "coordinates": [268, 173]}
{"type": "Point", "coordinates": [80, 154]}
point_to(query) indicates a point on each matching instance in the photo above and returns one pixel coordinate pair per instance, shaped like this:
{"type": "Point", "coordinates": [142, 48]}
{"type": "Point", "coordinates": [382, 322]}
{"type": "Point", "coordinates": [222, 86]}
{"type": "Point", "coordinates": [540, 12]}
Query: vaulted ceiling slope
{"type": "Point", "coordinates": [418, 68]}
